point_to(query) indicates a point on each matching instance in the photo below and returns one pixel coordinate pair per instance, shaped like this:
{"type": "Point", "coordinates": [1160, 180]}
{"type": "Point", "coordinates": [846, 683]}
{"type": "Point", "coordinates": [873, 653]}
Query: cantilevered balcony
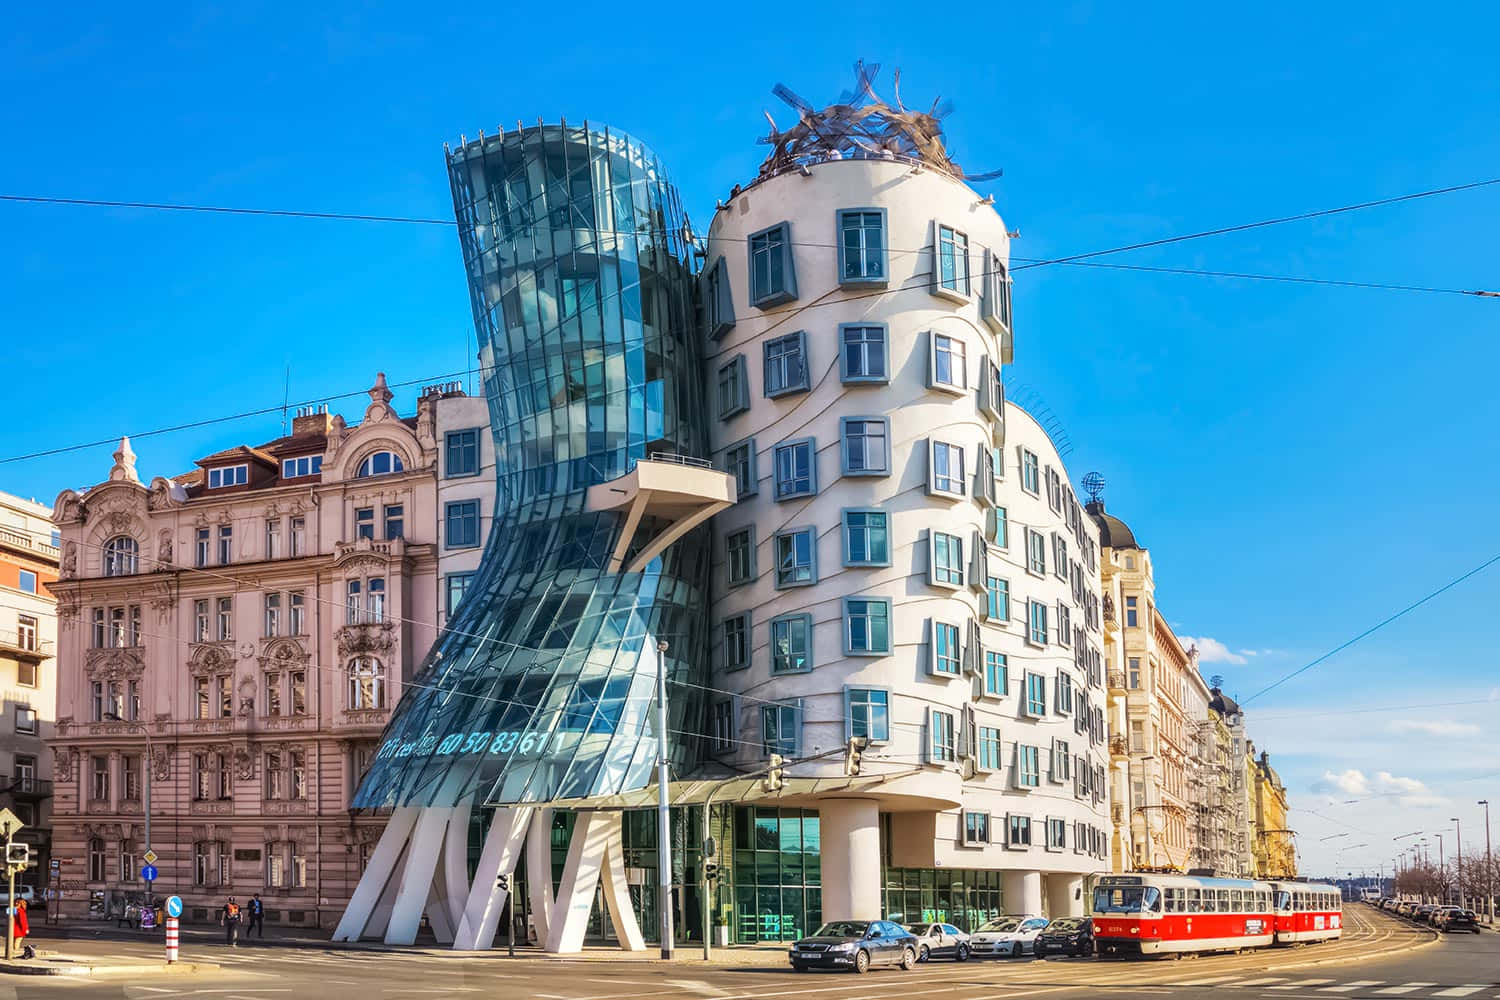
{"type": "Point", "coordinates": [664, 497]}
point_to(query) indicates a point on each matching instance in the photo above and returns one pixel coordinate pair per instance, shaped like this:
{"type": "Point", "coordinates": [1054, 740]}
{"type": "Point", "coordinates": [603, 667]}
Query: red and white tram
{"type": "Point", "coordinates": [1151, 914]}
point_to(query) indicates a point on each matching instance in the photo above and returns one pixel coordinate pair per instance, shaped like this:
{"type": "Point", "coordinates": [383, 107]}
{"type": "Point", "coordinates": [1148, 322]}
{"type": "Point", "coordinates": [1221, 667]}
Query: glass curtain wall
{"type": "Point", "coordinates": [582, 289]}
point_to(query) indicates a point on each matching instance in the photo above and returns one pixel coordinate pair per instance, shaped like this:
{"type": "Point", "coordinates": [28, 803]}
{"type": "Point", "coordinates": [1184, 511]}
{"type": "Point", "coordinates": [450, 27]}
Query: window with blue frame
{"type": "Point", "coordinates": [945, 463]}
{"type": "Point", "coordinates": [867, 538]}
{"type": "Point", "coordinates": [866, 446]}
{"type": "Point", "coordinates": [953, 260]}
{"type": "Point", "coordinates": [988, 749]}
{"type": "Point", "coordinates": [457, 587]}
{"type": "Point", "coordinates": [1028, 772]}
{"type": "Point", "coordinates": [948, 366]}
{"type": "Point", "coordinates": [996, 674]}
{"type": "Point", "coordinates": [795, 470]}
{"type": "Point", "coordinates": [868, 711]}
{"type": "Point", "coordinates": [863, 354]}
{"type": "Point", "coordinates": [1031, 476]}
{"type": "Point", "coordinates": [734, 648]}
{"type": "Point", "coordinates": [1036, 695]}
{"type": "Point", "coordinates": [461, 524]}
{"type": "Point", "coordinates": [867, 625]}
{"type": "Point", "coordinates": [781, 729]}
{"type": "Point", "coordinates": [947, 560]}
{"type": "Point", "coordinates": [796, 557]}
{"type": "Point", "coordinates": [791, 644]}
{"type": "Point", "coordinates": [461, 453]}
{"type": "Point", "coordinates": [786, 365]}
{"type": "Point", "coordinates": [1036, 553]}
{"type": "Point", "coordinates": [772, 278]}
{"type": "Point", "coordinates": [734, 388]}
{"type": "Point", "coordinates": [997, 599]}
{"type": "Point", "coordinates": [718, 302]}
{"type": "Point", "coordinates": [1000, 527]}
{"type": "Point", "coordinates": [947, 655]}
{"type": "Point", "coordinates": [942, 742]}
{"type": "Point", "coordinates": [862, 245]}
{"type": "Point", "coordinates": [1036, 618]}
{"type": "Point", "coordinates": [739, 552]}
{"type": "Point", "coordinates": [739, 462]}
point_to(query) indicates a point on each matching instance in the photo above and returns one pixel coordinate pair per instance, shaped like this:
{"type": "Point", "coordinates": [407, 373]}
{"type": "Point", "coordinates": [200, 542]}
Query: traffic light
{"type": "Point", "coordinates": [853, 754]}
{"type": "Point", "coordinates": [710, 869]}
{"type": "Point", "coordinates": [773, 780]}
{"type": "Point", "coordinates": [17, 854]}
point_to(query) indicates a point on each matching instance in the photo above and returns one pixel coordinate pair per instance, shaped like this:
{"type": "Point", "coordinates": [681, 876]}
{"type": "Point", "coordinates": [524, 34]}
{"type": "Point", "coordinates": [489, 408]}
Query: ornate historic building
{"type": "Point", "coordinates": [231, 643]}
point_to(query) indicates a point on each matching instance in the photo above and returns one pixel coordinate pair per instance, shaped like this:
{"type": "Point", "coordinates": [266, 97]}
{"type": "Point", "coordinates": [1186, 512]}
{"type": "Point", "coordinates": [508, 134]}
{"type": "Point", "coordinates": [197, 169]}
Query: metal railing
{"type": "Point", "coordinates": [29, 786]}
{"type": "Point", "coordinates": [15, 640]}
{"type": "Point", "coordinates": [676, 459]}
{"type": "Point", "coordinates": [26, 540]}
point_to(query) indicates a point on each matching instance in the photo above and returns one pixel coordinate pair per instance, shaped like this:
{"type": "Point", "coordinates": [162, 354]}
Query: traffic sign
{"type": "Point", "coordinates": [149, 857]}
{"type": "Point", "coordinates": [174, 906]}
{"type": "Point", "coordinates": [55, 865]}
{"type": "Point", "coordinates": [149, 873]}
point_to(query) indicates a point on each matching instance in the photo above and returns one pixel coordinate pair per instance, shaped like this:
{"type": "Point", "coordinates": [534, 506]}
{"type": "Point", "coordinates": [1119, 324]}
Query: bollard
{"type": "Point", "coordinates": [171, 940]}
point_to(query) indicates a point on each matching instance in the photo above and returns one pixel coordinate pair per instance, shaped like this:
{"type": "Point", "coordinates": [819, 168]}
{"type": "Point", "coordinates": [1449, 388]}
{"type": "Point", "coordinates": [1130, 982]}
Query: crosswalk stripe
{"type": "Point", "coordinates": [1300, 983]}
{"type": "Point", "coordinates": [1398, 990]}
{"type": "Point", "coordinates": [1351, 987]}
{"type": "Point", "coordinates": [1458, 991]}
{"type": "Point", "coordinates": [1221, 980]}
{"type": "Point", "coordinates": [1258, 982]}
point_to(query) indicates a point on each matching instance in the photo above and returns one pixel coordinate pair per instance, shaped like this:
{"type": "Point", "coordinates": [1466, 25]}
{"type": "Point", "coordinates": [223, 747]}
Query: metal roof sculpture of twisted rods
{"type": "Point", "coordinates": [861, 125]}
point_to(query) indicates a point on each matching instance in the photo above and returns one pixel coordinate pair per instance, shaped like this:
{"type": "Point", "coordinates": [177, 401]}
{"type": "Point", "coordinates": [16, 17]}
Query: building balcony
{"type": "Point", "coordinates": [27, 541]}
{"type": "Point", "coordinates": [1116, 680]}
{"type": "Point", "coordinates": [29, 789]}
{"type": "Point", "coordinates": [26, 645]}
{"type": "Point", "coordinates": [670, 494]}
{"type": "Point", "coordinates": [1118, 747]}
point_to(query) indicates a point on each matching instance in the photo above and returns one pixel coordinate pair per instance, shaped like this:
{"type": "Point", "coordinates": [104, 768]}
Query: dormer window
{"type": "Point", "coordinates": [229, 475]}
{"type": "Point", "coordinates": [382, 463]}
{"type": "Point", "coordinates": [302, 465]}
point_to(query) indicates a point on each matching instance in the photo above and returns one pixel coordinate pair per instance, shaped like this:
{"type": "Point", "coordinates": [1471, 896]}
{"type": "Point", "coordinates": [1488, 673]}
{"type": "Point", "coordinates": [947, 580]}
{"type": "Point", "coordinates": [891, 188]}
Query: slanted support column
{"type": "Point", "coordinates": [486, 902]}
{"type": "Point", "coordinates": [422, 856]}
{"type": "Point", "coordinates": [539, 873]}
{"type": "Point", "coordinates": [1022, 893]}
{"type": "Point", "coordinates": [596, 836]}
{"type": "Point", "coordinates": [849, 832]}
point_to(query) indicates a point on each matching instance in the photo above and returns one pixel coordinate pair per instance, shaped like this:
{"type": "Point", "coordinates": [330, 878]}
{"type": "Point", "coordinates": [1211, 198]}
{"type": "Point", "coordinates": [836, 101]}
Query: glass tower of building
{"type": "Point", "coordinates": [543, 686]}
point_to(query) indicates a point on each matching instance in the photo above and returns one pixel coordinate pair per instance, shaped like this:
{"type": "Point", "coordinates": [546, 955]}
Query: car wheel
{"type": "Point", "coordinates": [962, 953]}
{"type": "Point", "coordinates": [908, 959]}
{"type": "Point", "coordinates": [1088, 950]}
{"type": "Point", "coordinates": [798, 967]}
{"type": "Point", "coordinates": [862, 961]}
{"type": "Point", "coordinates": [1015, 950]}
{"type": "Point", "coordinates": [924, 954]}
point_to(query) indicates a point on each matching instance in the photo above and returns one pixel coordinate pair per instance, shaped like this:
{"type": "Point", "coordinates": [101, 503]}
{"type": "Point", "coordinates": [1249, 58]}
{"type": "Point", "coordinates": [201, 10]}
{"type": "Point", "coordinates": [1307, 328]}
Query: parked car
{"type": "Point", "coordinates": [1013, 936]}
{"type": "Point", "coordinates": [1067, 936]}
{"type": "Point", "coordinates": [1424, 913]}
{"type": "Point", "coordinates": [940, 941]}
{"type": "Point", "coordinates": [857, 945]}
{"type": "Point", "coordinates": [1456, 918]}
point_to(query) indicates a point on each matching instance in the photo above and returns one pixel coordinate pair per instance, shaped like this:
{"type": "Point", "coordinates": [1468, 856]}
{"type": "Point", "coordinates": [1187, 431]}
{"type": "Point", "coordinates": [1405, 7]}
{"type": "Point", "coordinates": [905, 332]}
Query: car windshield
{"type": "Point", "coordinates": [1126, 899]}
{"type": "Point", "coordinates": [1066, 925]}
{"type": "Point", "coordinates": [1000, 926]}
{"type": "Point", "coordinates": [843, 928]}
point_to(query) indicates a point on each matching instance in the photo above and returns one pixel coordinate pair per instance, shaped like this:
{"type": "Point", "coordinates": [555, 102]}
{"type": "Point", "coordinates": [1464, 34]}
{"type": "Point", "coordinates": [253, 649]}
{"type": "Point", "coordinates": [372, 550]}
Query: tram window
{"type": "Point", "coordinates": [1236, 900]}
{"type": "Point", "coordinates": [1153, 899]}
{"type": "Point", "coordinates": [1284, 902]}
{"type": "Point", "coordinates": [1210, 901]}
{"type": "Point", "coordinates": [1193, 906]}
{"type": "Point", "coordinates": [1174, 900]}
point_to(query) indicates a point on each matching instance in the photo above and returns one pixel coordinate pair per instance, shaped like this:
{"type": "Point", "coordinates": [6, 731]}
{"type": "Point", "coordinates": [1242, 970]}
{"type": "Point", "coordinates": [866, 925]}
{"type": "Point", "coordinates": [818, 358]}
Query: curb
{"type": "Point", "coordinates": [81, 969]}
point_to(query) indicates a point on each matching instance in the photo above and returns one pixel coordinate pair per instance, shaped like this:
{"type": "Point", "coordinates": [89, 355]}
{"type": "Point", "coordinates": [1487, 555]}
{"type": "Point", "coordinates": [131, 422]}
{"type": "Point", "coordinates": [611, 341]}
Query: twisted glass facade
{"type": "Point", "coordinates": [543, 687]}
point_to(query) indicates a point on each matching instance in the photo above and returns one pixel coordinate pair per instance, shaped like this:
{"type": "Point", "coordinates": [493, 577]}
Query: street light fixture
{"type": "Point", "coordinates": [1458, 866]}
{"type": "Point", "coordinates": [1489, 864]}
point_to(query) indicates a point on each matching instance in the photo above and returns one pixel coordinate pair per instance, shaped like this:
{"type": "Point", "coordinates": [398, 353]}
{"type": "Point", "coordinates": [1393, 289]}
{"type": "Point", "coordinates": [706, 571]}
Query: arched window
{"type": "Point", "coordinates": [121, 556]}
{"type": "Point", "coordinates": [366, 683]}
{"type": "Point", "coordinates": [381, 463]}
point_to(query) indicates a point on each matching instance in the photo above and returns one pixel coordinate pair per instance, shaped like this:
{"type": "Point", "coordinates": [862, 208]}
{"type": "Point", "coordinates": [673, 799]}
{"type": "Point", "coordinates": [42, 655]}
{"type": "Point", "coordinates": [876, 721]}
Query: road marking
{"type": "Point", "coordinates": [1258, 982]}
{"type": "Point", "coordinates": [1222, 980]}
{"type": "Point", "coordinates": [1299, 984]}
{"type": "Point", "coordinates": [1351, 987]}
{"type": "Point", "coordinates": [1458, 991]}
{"type": "Point", "coordinates": [1390, 991]}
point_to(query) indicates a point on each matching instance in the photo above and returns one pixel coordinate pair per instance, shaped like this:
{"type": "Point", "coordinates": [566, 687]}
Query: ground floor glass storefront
{"type": "Point", "coordinates": [962, 897]}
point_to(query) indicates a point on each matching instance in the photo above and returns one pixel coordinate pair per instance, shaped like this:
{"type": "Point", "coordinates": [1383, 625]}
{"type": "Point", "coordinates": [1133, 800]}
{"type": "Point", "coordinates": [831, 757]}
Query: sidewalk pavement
{"type": "Point", "coordinates": [75, 963]}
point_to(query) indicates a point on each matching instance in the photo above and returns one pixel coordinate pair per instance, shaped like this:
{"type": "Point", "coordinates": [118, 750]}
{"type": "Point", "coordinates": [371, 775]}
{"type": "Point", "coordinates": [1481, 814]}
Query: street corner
{"type": "Point", "coordinates": [80, 965]}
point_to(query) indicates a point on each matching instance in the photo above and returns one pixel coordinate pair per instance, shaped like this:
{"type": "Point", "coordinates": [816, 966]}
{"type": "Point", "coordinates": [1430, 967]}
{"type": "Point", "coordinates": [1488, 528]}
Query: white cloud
{"type": "Point", "coordinates": [1213, 651]}
{"type": "Point", "coordinates": [1350, 782]}
{"type": "Point", "coordinates": [1433, 727]}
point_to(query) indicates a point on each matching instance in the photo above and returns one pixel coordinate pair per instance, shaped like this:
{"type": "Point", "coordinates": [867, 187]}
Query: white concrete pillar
{"type": "Point", "coordinates": [486, 902]}
{"type": "Point", "coordinates": [1022, 892]}
{"type": "Point", "coordinates": [1064, 895]}
{"type": "Point", "coordinates": [539, 873]}
{"type": "Point", "coordinates": [422, 855]}
{"type": "Point", "coordinates": [849, 837]}
{"type": "Point", "coordinates": [372, 884]}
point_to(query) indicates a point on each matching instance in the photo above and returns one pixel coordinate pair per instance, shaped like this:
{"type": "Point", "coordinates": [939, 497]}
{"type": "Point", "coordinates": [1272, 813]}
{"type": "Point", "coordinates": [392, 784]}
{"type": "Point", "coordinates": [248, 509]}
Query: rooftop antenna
{"type": "Point", "coordinates": [286, 394]}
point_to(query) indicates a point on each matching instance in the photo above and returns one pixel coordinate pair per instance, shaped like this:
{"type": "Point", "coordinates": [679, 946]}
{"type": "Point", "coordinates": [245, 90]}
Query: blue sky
{"type": "Point", "coordinates": [1301, 461]}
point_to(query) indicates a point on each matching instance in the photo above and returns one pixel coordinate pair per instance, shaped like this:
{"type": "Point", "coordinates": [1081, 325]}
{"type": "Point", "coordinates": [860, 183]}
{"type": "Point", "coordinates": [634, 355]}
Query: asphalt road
{"type": "Point", "coordinates": [1375, 961]}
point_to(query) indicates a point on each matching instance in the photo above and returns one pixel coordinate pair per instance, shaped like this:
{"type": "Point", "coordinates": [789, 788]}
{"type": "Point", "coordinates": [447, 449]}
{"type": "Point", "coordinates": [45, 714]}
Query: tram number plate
{"type": "Point", "coordinates": [1320, 923]}
{"type": "Point", "coordinates": [1255, 926]}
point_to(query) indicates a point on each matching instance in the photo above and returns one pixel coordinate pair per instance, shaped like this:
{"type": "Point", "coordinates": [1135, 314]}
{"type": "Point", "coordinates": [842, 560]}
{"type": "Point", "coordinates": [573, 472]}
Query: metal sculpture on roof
{"type": "Point", "coordinates": [861, 125]}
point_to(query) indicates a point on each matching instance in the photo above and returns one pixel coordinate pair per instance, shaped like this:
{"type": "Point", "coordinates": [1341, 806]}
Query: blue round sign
{"type": "Point", "coordinates": [174, 906]}
{"type": "Point", "coordinates": [149, 873]}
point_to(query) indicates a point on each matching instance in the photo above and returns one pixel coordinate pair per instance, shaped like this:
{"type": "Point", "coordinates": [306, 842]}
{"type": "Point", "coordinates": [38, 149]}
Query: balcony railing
{"type": "Point", "coordinates": [30, 788]}
{"type": "Point", "coordinates": [15, 641]}
{"type": "Point", "coordinates": [1117, 747]}
{"type": "Point", "coordinates": [676, 459]}
{"type": "Point", "coordinates": [26, 540]}
{"type": "Point", "coordinates": [1117, 680]}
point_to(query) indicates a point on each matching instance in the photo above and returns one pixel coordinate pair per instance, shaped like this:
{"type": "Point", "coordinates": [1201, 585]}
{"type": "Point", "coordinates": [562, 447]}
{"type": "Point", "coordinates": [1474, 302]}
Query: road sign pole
{"type": "Point", "coordinates": [10, 905]}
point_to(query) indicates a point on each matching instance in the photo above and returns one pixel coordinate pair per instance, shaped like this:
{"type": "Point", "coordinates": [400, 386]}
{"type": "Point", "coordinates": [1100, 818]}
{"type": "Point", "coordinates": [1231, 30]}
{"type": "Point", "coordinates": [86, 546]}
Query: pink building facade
{"type": "Point", "coordinates": [230, 645]}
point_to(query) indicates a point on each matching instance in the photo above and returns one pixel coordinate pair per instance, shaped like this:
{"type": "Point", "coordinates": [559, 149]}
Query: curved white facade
{"type": "Point", "coordinates": [827, 452]}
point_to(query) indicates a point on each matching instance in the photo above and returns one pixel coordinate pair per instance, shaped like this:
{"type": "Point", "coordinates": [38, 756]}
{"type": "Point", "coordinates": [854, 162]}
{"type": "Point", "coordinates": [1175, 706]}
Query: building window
{"type": "Point", "coordinates": [734, 388]}
{"type": "Point", "coordinates": [1037, 623]}
{"type": "Point", "coordinates": [739, 549]}
{"type": "Point", "coordinates": [866, 446]}
{"type": "Point", "coordinates": [976, 828]}
{"type": "Point", "coordinates": [988, 749]}
{"type": "Point", "coordinates": [947, 656]}
{"type": "Point", "coordinates": [734, 643]}
{"type": "Point", "coordinates": [997, 599]}
{"type": "Point", "coordinates": [26, 581]}
{"type": "Point", "coordinates": [984, 476]}
{"type": "Point", "coordinates": [381, 463]}
{"type": "Point", "coordinates": [1061, 770]}
{"type": "Point", "coordinates": [718, 302]}
{"type": "Point", "coordinates": [942, 743]}
{"type": "Point", "coordinates": [230, 475]}
{"type": "Point", "coordinates": [862, 246]}
{"type": "Point", "coordinates": [375, 600]}
{"type": "Point", "coordinates": [26, 720]}
{"type": "Point", "coordinates": [1031, 479]}
{"type": "Point", "coordinates": [461, 524]}
{"type": "Point", "coordinates": [366, 684]}
{"type": "Point", "coordinates": [224, 619]}
{"type": "Point", "coordinates": [786, 365]}
{"type": "Point", "coordinates": [995, 308]}
{"type": "Point", "coordinates": [781, 727]}
{"type": "Point", "coordinates": [1018, 831]}
{"type": "Point", "coordinates": [26, 626]}
{"type": "Point", "coordinates": [772, 278]}
{"type": "Point", "coordinates": [796, 557]}
{"type": "Point", "coordinates": [867, 626]}
{"type": "Point", "coordinates": [271, 684]}
{"type": "Point", "coordinates": [1036, 695]}
{"type": "Point", "coordinates": [457, 586]}
{"type": "Point", "coordinates": [796, 469]}
{"type": "Point", "coordinates": [226, 544]}
{"type": "Point", "coordinates": [952, 261]}
{"type": "Point", "coordinates": [721, 727]}
{"type": "Point", "coordinates": [1036, 553]}
{"type": "Point", "coordinates": [791, 644]}
{"type": "Point", "coordinates": [991, 390]}
{"type": "Point", "coordinates": [945, 559]}
{"type": "Point", "coordinates": [99, 786]}
{"type": "Point", "coordinates": [1028, 766]}
{"type": "Point", "coordinates": [272, 615]}
{"type": "Point", "coordinates": [461, 453]}
{"type": "Point", "coordinates": [298, 546]}
{"type": "Point", "coordinates": [866, 538]}
{"type": "Point", "coordinates": [364, 523]}
{"type": "Point", "coordinates": [395, 521]}
{"type": "Point", "coordinates": [1063, 703]}
{"type": "Point", "coordinates": [121, 558]}
{"type": "Point", "coordinates": [302, 465]}
{"type": "Point", "coordinates": [868, 712]}
{"type": "Point", "coordinates": [297, 681]}
{"type": "Point", "coordinates": [1132, 618]}
{"type": "Point", "coordinates": [1059, 556]}
{"type": "Point", "coordinates": [948, 367]}
{"type": "Point", "coordinates": [200, 549]}
{"type": "Point", "coordinates": [739, 462]}
{"type": "Point", "coordinates": [296, 614]}
{"type": "Point", "coordinates": [273, 538]}
{"type": "Point", "coordinates": [96, 859]}
{"type": "Point", "coordinates": [1135, 672]}
{"type": "Point", "coordinates": [1057, 834]}
{"type": "Point", "coordinates": [863, 355]}
{"type": "Point", "coordinates": [996, 674]}
{"type": "Point", "coordinates": [945, 464]}
{"type": "Point", "coordinates": [1064, 624]}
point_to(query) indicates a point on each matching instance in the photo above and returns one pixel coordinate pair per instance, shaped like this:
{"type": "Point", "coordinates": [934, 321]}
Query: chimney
{"type": "Point", "coordinates": [312, 420]}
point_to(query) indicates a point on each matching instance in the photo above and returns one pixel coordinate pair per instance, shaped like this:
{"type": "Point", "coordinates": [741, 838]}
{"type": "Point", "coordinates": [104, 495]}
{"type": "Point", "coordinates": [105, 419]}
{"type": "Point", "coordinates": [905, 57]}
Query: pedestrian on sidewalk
{"type": "Point", "coordinates": [229, 916]}
{"type": "Point", "coordinates": [23, 928]}
{"type": "Point", "coordinates": [257, 917]}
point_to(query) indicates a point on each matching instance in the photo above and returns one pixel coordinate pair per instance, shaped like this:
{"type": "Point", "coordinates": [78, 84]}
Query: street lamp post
{"type": "Point", "coordinates": [1458, 866]}
{"type": "Point", "coordinates": [663, 807]}
{"type": "Point", "coordinates": [1489, 864]}
{"type": "Point", "coordinates": [1442, 869]}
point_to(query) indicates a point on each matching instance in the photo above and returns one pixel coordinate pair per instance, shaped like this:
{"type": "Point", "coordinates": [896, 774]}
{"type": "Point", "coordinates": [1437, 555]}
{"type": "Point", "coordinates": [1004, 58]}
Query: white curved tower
{"type": "Point", "coordinates": [905, 561]}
